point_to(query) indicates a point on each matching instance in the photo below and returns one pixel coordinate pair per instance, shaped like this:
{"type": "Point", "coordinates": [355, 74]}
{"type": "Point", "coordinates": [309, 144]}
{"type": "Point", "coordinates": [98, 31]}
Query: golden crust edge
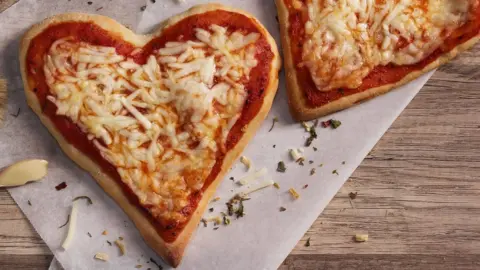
{"type": "Point", "coordinates": [172, 253]}
{"type": "Point", "coordinates": [298, 104]}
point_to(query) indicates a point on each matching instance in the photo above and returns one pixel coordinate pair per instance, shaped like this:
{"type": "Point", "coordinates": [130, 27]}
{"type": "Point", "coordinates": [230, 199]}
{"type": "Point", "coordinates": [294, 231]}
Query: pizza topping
{"type": "Point", "coordinates": [307, 243]}
{"type": "Point", "coordinates": [294, 193]}
{"type": "Point", "coordinates": [101, 256]}
{"type": "Point", "coordinates": [246, 162]}
{"type": "Point", "coordinates": [295, 154]}
{"type": "Point", "coordinates": [281, 167]}
{"type": "Point", "coordinates": [71, 227]}
{"type": "Point", "coordinates": [160, 124]}
{"type": "Point", "coordinates": [23, 172]}
{"type": "Point", "coordinates": [61, 186]}
{"type": "Point", "coordinates": [261, 185]}
{"type": "Point", "coordinates": [252, 176]}
{"type": "Point", "coordinates": [275, 120]}
{"type": "Point", "coordinates": [361, 237]}
{"type": "Point", "coordinates": [121, 247]}
{"type": "Point", "coordinates": [66, 222]}
{"type": "Point", "coordinates": [89, 201]}
{"type": "Point", "coordinates": [346, 39]}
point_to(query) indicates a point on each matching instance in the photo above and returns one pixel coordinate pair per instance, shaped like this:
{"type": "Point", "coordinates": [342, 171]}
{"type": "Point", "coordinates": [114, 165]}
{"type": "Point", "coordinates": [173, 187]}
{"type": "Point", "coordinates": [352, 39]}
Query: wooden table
{"type": "Point", "coordinates": [418, 192]}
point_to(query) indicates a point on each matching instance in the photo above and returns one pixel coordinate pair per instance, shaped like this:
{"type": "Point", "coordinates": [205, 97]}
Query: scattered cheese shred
{"type": "Point", "coordinates": [101, 256]}
{"type": "Point", "coordinates": [71, 226]}
{"type": "Point", "coordinates": [258, 187]}
{"type": "Point", "coordinates": [246, 162]}
{"type": "Point", "coordinates": [252, 176]}
{"type": "Point", "coordinates": [361, 237]}
{"type": "Point", "coordinates": [121, 246]}
{"type": "Point", "coordinates": [295, 154]}
{"type": "Point", "coordinates": [294, 193]}
{"type": "Point", "coordinates": [216, 220]}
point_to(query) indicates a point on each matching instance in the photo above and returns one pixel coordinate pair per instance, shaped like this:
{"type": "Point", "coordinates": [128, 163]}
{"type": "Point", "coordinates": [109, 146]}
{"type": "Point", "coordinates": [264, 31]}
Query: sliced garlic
{"type": "Point", "coordinates": [23, 172]}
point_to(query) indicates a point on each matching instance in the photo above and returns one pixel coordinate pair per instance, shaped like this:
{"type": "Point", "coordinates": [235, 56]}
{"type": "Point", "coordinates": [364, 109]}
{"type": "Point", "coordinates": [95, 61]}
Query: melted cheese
{"type": "Point", "coordinates": [161, 123]}
{"type": "Point", "coordinates": [346, 39]}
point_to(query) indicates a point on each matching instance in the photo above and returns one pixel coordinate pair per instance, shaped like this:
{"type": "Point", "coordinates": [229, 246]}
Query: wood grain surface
{"type": "Point", "coordinates": [418, 192]}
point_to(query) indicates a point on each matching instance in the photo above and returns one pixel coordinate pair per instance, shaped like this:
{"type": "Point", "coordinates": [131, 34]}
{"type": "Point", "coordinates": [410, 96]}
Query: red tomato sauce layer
{"type": "Point", "coordinates": [380, 75]}
{"type": "Point", "coordinates": [182, 30]}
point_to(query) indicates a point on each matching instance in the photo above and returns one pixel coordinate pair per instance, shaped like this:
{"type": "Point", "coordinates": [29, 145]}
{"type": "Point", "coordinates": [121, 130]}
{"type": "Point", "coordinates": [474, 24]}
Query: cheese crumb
{"type": "Point", "coordinates": [121, 246]}
{"type": "Point", "coordinates": [246, 162]}
{"type": "Point", "coordinates": [101, 256]}
{"type": "Point", "coordinates": [361, 237]}
{"type": "Point", "coordinates": [294, 193]}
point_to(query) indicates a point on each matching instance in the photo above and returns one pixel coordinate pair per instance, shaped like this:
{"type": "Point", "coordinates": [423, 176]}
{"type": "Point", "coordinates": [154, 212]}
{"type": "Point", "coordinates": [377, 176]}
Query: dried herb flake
{"type": "Point", "coordinates": [312, 171]}
{"type": "Point", "coordinates": [29, 203]}
{"type": "Point", "coordinates": [89, 201]}
{"type": "Point", "coordinates": [281, 167]}
{"type": "Point", "coordinates": [226, 220]}
{"type": "Point", "coordinates": [89, 234]}
{"type": "Point", "coordinates": [307, 244]}
{"type": "Point", "coordinates": [335, 172]}
{"type": "Point", "coordinates": [66, 222]}
{"type": "Point", "coordinates": [158, 265]}
{"type": "Point", "coordinates": [282, 209]}
{"type": "Point", "coordinates": [335, 123]}
{"type": "Point", "coordinates": [109, 243]}
{"type": "Point", "coordinates": [313, 136]}
{"type": "Point", "coordinates": [353, 195]}
{"type": "Point", "coordinates": [204, 222]}
{"type": "Point", "coordinates": [16, 114]}
{"type": "Point", "coordinates": [275, 120]}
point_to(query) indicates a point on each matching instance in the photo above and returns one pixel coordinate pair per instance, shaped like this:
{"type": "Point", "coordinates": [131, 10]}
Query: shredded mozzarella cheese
{"type": "Point", "coordinates": [346, 39]}
{"type": "Point", "coordinates": [160, 123]}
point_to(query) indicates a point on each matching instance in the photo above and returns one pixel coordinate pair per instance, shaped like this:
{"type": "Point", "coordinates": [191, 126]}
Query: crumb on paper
{"type": "Point", "coordinates": [216, 199]}
{"type": "Point", "coordinates": [138, 266]}
{"type": "Point", "coordinates": [121, 247]}
{"type": "Point", "coordinates": [246, 162]}
{"type": "Point", "coordinates": [105, 232]}
{"type": "Point", "coordinates": [361, 237]}
{"type": "Point", "coordinates": [281, 167]}
{"type": "Point", "coordinates": [101, 256]}
{"type": "Point", "coordinates": [307, 243]}
{"type": "Point", "coordinates": [294, 193]}
{"type": "Point", "coordinates": [275, 120]}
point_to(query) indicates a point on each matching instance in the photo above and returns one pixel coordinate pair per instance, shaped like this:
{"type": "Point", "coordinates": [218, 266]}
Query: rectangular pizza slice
{"type": "Point", "coordinates": [340, 52]}
{"type": "Point", "coordinates": [157, 120]}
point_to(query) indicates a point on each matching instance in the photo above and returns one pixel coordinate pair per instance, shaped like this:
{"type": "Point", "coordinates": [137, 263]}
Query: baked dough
{"type": "Point", "coordinates": [171, 252]}
{"type": "Point", "coordinates": [299, 107]}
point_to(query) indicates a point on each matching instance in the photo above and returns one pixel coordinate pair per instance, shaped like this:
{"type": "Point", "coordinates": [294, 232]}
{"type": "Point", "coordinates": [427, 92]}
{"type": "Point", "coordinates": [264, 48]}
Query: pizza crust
{"type": "Point", "coordinates": [299, 107]}
{"type": "Point", "coordinates": [172, 252]}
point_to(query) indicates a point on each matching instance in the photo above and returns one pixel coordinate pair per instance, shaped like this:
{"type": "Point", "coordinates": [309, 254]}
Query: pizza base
{"type": "Point", "coordinates": [172, 252]}
{"type": "Point", "coordinates": [299, 106]}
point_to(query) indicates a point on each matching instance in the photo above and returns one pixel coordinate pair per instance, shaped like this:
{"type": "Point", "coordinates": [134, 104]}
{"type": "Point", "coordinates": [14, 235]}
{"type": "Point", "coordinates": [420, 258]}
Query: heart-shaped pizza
{"type": "Point", "coordinates": [157, 120]}
{"type": "Point", "coordinates": [340, 52]}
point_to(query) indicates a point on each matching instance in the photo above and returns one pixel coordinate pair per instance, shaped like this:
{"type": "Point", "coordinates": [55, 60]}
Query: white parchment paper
{"type": "Point", "coordinates": [260, 240]}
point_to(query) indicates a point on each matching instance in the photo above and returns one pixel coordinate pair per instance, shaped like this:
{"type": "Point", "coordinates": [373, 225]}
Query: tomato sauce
{"type": "Point", "coordinates": [380, 75]}
{"type": "Point", "coordinates": [181, 31]}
